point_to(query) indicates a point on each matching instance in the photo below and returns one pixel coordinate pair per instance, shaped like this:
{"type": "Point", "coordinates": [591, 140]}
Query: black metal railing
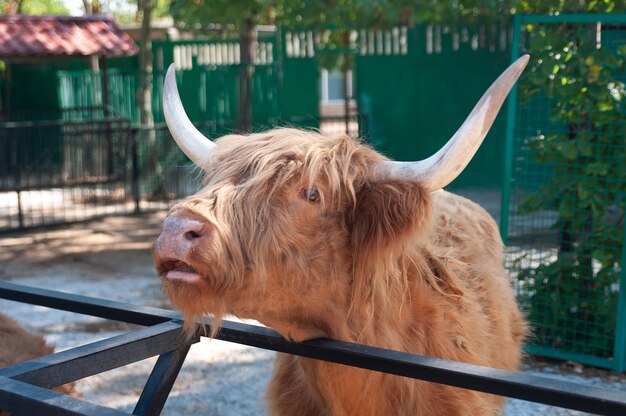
{"type": "Point", "coordinates": [23, 386]}
{"type": "Point", "coordinates": [63, 167]}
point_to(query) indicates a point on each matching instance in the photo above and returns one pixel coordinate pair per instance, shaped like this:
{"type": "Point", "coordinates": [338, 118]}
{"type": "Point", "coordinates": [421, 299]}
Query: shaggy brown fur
{"type": "Point", "coordinates": [379, 263]}
{"type": "Point", "coordinates": [17, 345]}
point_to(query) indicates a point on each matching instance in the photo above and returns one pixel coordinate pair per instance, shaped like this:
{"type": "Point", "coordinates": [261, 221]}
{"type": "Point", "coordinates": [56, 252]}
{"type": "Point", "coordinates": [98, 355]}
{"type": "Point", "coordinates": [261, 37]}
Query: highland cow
{"type": "Point", "coordinates": [320, 236]}
{"type": "Point", "coordinates": [18, 344]}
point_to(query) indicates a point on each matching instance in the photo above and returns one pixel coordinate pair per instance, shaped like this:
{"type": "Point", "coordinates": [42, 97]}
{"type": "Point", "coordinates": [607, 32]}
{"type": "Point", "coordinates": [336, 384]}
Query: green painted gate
{"type": "Point", "coordinates": [418, 85]}
{"type": "Point", "coordinates": [284, 86]}
{"type": "Point", "coordinates": [414, 88]}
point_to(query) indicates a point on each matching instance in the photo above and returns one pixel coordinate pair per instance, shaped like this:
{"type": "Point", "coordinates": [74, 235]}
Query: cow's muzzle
{"type": "Point", "coordinates": [176, 247]}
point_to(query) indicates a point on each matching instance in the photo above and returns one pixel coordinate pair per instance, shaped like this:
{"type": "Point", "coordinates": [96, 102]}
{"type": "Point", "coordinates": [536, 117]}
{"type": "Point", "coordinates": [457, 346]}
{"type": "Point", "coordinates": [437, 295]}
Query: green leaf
{"type": "Point", "coordinates": [568, 150]}
{"type": "Point", "coordinates": [531, 203]}
{"type": "Point", "coordinates": [597, 169]}
{"type": "Point", "coordinates": [567, 209]}
{"type": "Point", "coordinates": [586, 148]}
{"type": "Point", "coordinates": [605, 106]}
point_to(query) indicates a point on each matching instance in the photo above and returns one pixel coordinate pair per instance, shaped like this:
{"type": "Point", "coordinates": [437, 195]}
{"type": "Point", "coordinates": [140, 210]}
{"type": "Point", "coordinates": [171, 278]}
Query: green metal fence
{"type": "Point", "coordinates": [418, 85]}
{"type": "Point", "coordinates": [563, 202]}
{"type": "Point", "coordinates": [284, 86]}
{"type": "Point", "coordinates": [84, 88]}
{"type": "Point", "coordinates": [208, 73]}
{"type": "Point", "coordinates": [407, 82]}
{"type": "Point", "coordinates": [410, 89]}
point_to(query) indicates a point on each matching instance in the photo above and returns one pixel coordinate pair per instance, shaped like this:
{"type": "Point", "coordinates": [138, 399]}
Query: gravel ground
{"type": "Point", "coordinates": [111, 259]}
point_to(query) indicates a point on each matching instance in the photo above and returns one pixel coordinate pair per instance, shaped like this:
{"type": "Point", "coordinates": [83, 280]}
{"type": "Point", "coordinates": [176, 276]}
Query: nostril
{"type": "Point", "coordinates": [183, 230]}
{"type": "Point", "coordinates": [192, 235]}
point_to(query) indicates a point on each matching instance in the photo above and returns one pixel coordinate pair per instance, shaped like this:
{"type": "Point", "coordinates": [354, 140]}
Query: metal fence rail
{"type": "Point", "coordinates": [23, 386]}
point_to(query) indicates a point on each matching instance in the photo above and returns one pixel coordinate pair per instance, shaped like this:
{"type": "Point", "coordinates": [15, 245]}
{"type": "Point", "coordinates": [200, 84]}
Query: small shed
{"type": "Point", "coordinates": [33, 48]}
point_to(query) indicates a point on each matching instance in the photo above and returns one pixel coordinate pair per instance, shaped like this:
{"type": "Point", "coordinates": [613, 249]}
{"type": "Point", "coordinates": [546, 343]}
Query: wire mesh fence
{"type": "Point", "coordinates": [563, 217]}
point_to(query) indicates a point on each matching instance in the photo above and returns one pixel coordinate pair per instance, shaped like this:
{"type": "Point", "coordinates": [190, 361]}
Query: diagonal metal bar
{"type": "Point", "coordinates": [160, 382]}
{"type": "Point", "coordinates": [84, 361]}
{"type": "Point", "coordinates": [117, 311]}
{"type": "Point", "coordinates": [24, 399]}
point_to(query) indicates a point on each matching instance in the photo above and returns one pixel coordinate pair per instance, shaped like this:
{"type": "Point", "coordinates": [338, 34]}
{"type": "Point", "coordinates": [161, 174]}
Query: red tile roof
{"type": "Point", "coordinates": [24, 36]}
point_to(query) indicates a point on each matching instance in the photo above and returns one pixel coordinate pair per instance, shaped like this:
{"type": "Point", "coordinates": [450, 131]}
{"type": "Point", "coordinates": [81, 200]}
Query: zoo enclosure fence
{"type": "Point", "coordinates": [23, 386]}
{"type": "Point", "coordinates": [565, 191]}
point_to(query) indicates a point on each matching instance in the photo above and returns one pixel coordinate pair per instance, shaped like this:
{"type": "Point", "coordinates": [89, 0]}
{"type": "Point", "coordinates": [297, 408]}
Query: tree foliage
{"type": "Point", "coordinates": [569, 6]}
{"type": "Point", "coordinates": [338, 13]}
{"type": "Point", "coordinates": [36, 7]}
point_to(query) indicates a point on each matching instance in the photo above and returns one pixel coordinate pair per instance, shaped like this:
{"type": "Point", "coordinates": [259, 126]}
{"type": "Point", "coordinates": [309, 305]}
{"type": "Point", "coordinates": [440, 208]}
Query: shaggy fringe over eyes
{"type": "Point", "coordinates": [267, 161]}
{"type": "Point", "coordinates": [263, 167]}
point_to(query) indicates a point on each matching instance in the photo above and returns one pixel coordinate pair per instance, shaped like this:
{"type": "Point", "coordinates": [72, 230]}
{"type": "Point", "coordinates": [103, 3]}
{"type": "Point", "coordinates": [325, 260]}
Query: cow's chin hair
{"type": "Point", "coordinates": [195, 301]}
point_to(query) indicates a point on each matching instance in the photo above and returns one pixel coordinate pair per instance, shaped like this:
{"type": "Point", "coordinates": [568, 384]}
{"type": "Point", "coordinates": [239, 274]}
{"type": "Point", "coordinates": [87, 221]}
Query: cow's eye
{"type": "Point", "coordinates": [311, 194]}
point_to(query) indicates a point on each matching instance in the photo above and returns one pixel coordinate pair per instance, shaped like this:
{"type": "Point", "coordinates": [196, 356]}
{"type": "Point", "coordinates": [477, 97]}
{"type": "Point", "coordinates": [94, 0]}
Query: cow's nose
{"type": "Point", "coordinates": [183, 229]}
{"type": "Point", "coordinates": [179, 235]}
{"type": "Point", "coordinates": [192, 230]}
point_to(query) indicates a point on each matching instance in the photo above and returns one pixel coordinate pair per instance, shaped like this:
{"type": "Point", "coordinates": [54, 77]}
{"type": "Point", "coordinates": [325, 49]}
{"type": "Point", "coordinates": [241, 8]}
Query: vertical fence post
{"type": "Point", "coordinates": [619, 349]}
{"type": "Point", "coordinates": [18, 179]}
{"type": "Point", "coordinates": [135, 172]}
{"type": "Point", "coordinates": [20, 212]}
{"type": "Point", "coordinates": [510, 136]}
{"type": "Point", "coordinates": [104, 77]}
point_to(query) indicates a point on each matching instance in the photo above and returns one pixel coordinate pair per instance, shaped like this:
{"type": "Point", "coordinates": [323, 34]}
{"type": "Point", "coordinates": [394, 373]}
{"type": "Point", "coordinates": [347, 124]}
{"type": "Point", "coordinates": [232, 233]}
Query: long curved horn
{"type": "Point", "coordinates": [195, 145]}
{"type": "Point", "coordinates": [444, 166]}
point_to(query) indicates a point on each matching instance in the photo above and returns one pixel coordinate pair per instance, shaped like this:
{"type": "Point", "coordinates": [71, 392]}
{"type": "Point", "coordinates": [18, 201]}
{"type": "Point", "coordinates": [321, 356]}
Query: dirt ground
{"type": "Point", "coordinates": [97, 249]}
{"type": "Point", "coordinates": [111, 258]}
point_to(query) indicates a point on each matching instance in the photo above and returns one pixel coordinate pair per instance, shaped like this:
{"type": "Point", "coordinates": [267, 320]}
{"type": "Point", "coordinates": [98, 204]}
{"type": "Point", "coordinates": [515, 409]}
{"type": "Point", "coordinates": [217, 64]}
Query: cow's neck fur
{"type": "Point", "coordinates": [405, 324]}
